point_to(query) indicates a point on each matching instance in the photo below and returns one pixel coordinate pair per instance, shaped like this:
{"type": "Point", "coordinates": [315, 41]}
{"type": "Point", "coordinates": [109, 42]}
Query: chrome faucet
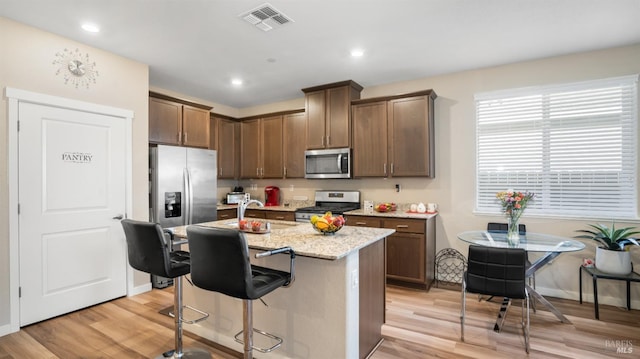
{"type": "Point", "coordinates": [242, 206]}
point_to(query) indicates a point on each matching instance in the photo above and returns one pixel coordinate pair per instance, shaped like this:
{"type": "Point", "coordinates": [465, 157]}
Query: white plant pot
{"type": "Point", "coordinates": [613, 262]}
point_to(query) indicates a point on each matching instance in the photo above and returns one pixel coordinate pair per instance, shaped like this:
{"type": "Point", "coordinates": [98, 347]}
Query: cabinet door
{"type": "Point", "coordinates": [370, 140]}
{"type": "Point", "coordinates": [228, 148]}
{"type": "Point", "coordinates": [338, 126]}
{"type": "Point", "coordinates": [272, 164]}
{"type": "Point", "coordinates": [406, 257]}
{"type": "Point", "coordinates": [254, 213]}
{"type": "Point", "coordinates": [165, 121]}
{"type": "Point", "coordinates": [195, 127]}
{"type": "Point", "coordinates": [227, 214]}
{"type": "Point", "coordinates": [280, 215]}
{"type": "Point", "coordinates": [294, 144]}
{"type": "Point", "coordinates": [410, 137]}
{"type": "Point", "coordinates": [315, 107]}
{"type": "Point", "coordinates": [250, 149]}
{"type": "Point", "coordinates": [363, 221]}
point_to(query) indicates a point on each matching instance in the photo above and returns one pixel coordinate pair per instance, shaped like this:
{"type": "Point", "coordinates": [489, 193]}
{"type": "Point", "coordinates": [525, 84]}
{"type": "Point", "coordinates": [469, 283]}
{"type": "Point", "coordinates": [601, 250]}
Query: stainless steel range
{"type": "Point", "coordinates": [337, 202]}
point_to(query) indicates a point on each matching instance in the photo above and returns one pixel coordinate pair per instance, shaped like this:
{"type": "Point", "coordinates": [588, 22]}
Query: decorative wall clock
{"type": "Point", "coordinates": [76, 69]}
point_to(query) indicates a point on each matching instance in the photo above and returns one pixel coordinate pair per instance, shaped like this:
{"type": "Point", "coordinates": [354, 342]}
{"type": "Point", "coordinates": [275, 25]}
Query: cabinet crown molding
{"type": "Point", "coordinates": [429, 93]}
{"type": "Point", "coordinates": [179, 100]}
{"type": "Point", "coordinates": [350, 83]}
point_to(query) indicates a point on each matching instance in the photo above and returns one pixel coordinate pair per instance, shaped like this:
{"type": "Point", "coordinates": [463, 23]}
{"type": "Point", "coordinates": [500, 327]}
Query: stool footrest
{"type": "Point", "coordinates": [203, 315]}
{"type": "Point", "coordinates": [268, 335]}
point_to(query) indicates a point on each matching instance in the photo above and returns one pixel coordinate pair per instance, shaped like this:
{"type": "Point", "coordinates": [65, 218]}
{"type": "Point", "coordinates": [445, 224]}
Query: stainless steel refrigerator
{"type": "Point", "coordinates": [183, 189]}
{"type": "Point", "coordinates": [183, 185]}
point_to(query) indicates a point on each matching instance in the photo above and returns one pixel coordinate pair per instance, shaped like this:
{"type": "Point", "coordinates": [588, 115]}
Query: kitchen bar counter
{"type": "Point", "coordinates": [333, 309]}
{"type": "Point", "coordinates": [304, 240]}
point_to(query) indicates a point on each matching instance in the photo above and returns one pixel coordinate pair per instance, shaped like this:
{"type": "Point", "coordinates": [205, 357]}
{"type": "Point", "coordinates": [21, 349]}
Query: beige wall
{"type": "Point", "coordinates": [26, 63]}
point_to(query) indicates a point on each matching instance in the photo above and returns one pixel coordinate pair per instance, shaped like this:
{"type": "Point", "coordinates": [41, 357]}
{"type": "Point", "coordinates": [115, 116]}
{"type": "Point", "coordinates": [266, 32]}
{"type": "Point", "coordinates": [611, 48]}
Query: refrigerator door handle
{"type": "Point", "coordinates": [188, 193]}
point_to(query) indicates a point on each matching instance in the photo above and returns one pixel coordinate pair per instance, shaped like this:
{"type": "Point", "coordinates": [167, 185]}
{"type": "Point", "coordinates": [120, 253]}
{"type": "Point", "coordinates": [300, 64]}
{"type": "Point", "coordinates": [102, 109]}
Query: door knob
{"type": "Point", "coordinates": [118, 217]}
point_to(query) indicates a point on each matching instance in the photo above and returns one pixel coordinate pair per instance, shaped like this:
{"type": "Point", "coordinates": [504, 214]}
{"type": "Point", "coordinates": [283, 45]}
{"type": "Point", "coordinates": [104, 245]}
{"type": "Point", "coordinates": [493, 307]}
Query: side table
{"type": "Point", "coordinates": [595, 274]}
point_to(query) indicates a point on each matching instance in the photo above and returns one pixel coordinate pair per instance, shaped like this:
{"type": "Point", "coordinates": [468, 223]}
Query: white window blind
{"type": "Point", "coordinates": [573, 145]}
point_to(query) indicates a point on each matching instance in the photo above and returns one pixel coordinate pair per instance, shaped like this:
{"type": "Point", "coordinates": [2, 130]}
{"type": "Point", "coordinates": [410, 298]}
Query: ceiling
{"type": "Point", "coordinates": [195, 47]}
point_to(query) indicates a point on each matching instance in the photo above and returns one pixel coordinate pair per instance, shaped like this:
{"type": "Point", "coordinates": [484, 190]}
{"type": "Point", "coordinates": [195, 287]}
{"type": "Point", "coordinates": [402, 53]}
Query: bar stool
{"type": "Point", "coordinates": [220, 263]}
{"type": "Point", "coordinates": [149, 252]}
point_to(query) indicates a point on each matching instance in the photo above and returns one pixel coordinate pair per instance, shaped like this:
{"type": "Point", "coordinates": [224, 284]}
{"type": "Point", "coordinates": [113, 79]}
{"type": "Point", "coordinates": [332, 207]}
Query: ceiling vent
{"type": "Point", "coordinates": [265, 17]}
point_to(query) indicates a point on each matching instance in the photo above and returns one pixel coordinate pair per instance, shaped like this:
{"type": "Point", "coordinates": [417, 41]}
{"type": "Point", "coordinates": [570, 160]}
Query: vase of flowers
{"type": "Point", "coordinates": [513, 205]}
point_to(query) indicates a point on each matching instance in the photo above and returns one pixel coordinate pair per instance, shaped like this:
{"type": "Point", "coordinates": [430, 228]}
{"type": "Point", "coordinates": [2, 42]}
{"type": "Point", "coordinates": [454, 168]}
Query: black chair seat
{"type": "Point", "coordinates": [266, 280]}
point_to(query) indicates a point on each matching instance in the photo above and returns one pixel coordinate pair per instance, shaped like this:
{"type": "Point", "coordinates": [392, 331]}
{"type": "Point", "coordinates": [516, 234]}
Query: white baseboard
{"type": "Point", "coordinates": [139, 289]}
{"type": "Point", "coordinates": [6, 329]}
{"type": "Point", "coordinates": [587, 296]}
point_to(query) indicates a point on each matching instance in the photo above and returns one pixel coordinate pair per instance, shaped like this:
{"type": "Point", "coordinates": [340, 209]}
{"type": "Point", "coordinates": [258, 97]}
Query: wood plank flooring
{"type": "Point", "coordinates": [418, 325]}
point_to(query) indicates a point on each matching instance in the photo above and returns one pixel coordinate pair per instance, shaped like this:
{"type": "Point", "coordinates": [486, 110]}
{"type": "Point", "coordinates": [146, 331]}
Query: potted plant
{"type": "Point", "coordinates": [612, 256]}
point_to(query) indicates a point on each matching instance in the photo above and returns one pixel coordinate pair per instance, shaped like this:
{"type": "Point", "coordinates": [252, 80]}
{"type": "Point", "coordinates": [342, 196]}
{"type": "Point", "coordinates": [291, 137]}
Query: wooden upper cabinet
{"type": "Point", "coordinates": [393, 136]}
{"type": "Point", "coordinates": [195, 127]}
{"type": "Point", "coordinates": [328, 112]}
{"type": "Point", "coordinates": [294, 143]}
{"type": "Point", "coordinates": [411, 147]}
{"type": "Point", "coordinates": [261, 148]}
{"type": "Point", "coordinates": [370, 139]}
{"type": "Point", "coordinates": [272, 163]}
{"type": "Point", "coordinates": [176, 122]}
{"type": "Point", "coordinates": [250, 149]}
{"type": "Point", "coordinates": [165, 121]}
{"type": "Point", "coordinates": [227, 144]}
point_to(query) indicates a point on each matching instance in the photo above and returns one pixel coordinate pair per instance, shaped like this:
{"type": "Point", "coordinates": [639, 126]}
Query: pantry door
{"type": "Point", "coordinates": [72, 193]}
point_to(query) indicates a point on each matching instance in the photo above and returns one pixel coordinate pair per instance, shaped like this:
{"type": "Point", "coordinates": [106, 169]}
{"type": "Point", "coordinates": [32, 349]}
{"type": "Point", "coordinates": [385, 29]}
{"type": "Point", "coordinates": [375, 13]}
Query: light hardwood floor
{"type": "Point", "coordinates": [419, 325]}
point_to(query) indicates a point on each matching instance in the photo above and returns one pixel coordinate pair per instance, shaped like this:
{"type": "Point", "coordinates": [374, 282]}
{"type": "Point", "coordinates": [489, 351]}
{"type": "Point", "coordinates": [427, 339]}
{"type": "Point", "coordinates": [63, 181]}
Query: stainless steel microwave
{"type": "Point", "coordinates": [332, 163]}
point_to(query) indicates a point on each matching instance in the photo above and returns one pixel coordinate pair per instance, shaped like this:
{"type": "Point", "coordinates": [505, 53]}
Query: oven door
{"type": "Point", "coordinates": [334, 163]}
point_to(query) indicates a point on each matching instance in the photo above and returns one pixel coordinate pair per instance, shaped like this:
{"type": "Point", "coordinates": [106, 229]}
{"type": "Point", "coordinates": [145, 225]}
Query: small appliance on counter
{"type": "Point", "coordinates": [271, 196]}
{"type": "Point", "coordinates": [235, 197]}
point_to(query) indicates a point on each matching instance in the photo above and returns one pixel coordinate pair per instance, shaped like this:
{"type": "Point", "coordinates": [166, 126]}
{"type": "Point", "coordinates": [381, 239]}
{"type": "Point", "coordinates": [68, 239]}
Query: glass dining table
{"type": "Point", "coordinates": [549, 245]}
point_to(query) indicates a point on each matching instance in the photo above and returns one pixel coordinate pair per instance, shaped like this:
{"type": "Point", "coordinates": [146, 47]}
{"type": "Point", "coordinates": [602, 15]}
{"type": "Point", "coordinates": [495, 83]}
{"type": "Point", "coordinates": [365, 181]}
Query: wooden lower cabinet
{"type": "Point", "coordinates": [372, 296]}
{"type": "Point", "coordinates": [410, 252]}
{"type": "Point", "coordinates": [227, 213]}
{"type": "Point", "coordinates": [280, 215]}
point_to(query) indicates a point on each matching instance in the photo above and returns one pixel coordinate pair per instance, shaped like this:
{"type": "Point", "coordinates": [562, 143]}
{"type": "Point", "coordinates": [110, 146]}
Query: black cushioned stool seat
{"type": "Point", "coordinates": [149, 252]}
{"type": "Point", "coordinates": [220, 263]}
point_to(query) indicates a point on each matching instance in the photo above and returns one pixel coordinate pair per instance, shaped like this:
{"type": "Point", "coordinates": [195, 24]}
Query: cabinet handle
{"type": "Point", "coordinates": [328, 140]}
{"type": "Point", "coordinates": [391, 167]}
{"type": "Point", "coordinates": [285, 171]}
{"type": "Point", "coordinates": [220, 174]}
{"type": "Point", "coordinates": [402, 226]}
{"type": "Point", "coordinates": [224, 216]}
{"type": "Point", "coordinates": [385, 169]}
{"type": "Point", "coordinates": [322, 141]}
{"type": "Point", "coordinates": [257, 171]}
{"type": "Point", "coordinates": [280, 217]}
{"type": "Point", "coordinates": [185, 137]}
{"type": "Point", "coordinates": [179, 136]}
{"type": "Point", "coordinates": [361, 223]}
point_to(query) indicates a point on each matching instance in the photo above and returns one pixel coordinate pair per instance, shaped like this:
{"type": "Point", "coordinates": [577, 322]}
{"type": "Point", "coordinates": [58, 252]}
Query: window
{"type": "Point", "coordinates": [573, 145]}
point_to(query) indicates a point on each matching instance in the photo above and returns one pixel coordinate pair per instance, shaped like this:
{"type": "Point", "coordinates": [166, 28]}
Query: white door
{"type": "Point", "coordinates": [72, 188]}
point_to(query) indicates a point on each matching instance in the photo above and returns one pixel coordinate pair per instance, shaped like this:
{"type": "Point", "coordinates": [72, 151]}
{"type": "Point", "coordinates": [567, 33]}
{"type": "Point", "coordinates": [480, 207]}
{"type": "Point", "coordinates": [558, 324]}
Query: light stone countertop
{"type": "Point", "coordinates": [293, 205]}
{"type": "Point", "coordinates": [395, 214]}
{"type": "Point", "coordinates": [304, 240]}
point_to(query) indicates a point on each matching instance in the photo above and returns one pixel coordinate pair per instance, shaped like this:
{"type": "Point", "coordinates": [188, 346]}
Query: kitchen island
{"type": "Point", "coordinates": [334, 308]}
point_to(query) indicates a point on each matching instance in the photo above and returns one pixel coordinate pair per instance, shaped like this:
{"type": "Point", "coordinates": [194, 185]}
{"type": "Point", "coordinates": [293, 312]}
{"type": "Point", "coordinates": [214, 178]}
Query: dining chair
{"type": "Point", "coordinates": [522, 229]}
{"type": "Point", "coordinates": [497, 272]}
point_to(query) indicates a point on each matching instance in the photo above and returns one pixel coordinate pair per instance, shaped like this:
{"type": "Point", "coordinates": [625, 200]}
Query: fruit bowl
{"type": "Point", "coordinates": [385, 207]}
{"type": "Point", "coordinates": [327, 224]}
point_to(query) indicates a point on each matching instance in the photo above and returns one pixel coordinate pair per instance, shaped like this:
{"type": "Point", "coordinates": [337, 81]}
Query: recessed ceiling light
{"type": "Point", "coordinates": [90, 27]}
{"type": "Point", "coordinates": [236, 82]}
{"type": "Point", "coordinates": [357, 53]}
